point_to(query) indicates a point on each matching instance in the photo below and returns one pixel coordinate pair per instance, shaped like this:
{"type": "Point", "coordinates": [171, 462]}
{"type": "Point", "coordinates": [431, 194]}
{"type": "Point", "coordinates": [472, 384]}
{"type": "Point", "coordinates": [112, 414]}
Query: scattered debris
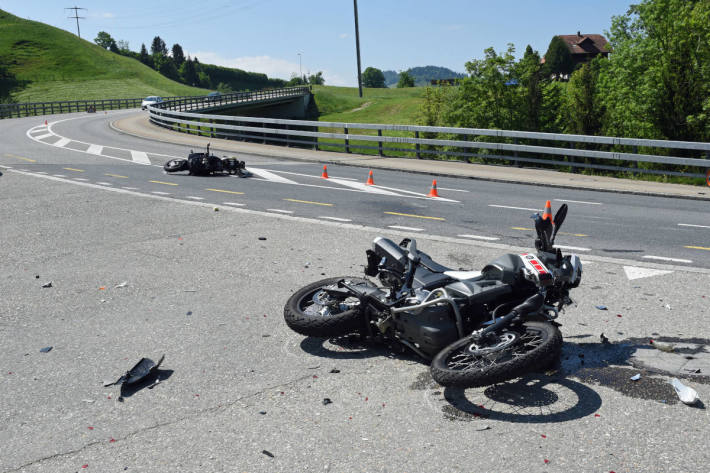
{"type": "Point", "coordinates": [619, 315]}
{"type": "Point", "coordinates": [45, 349]}
{"type": "Point", "coordinates": [267, 453]}
{"type": "Point", "coordinates": [483, 427]}
{"type": "Point", "coordinates": [635, 377]}
{"type": "Point", "coordinates": [666, 347]}
{"type": "Point", "coordinates": [142, 369]}
{"type": "Point", "coordinates": [189, 312]}
{"type": "Point", "coordinates": [262, 238]}
{"type": "Point", "coordinates": [216, 209]}
{"type": "Point", "coordinates": [102, 288]}
{"type": "Point", "coordinates": [668, 307]}
{"type": "Point", "coordinates": [90, 401]}
{"type": "Point", "coordinates": [123, 284]}
{"type": "Point", "coordinates": [47, 284]}
{"type": "Point", "coordinates": [334, 371]}
{"type": "Point", "coordinates": [327, 401]}
{"type": "Point", "coordinates": [601, 307]}
{"type": "Point", "coordinates": [262, 413]}
{"type": "Point", "coordinates": [697, 371]}
{"type": "Point", "coordinates": [604, 339]}
{"type": "Point", "coordinates": [37, 277]}
{"type": "Point", "coordinates": [685, 393]}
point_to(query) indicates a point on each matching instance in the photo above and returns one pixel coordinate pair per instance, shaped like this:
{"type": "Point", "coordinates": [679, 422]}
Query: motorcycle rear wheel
{"type": "Point", "coordinates": [312, 312]}
{"type": "Point", "coordinates": [175, 165]}
{"type": "Point", "coordinates": [457, 366]}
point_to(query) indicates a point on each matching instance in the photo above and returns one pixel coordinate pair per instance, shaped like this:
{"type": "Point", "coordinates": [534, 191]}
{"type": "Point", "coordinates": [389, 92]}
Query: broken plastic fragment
{"type": "Point", "coordinates": [123, 284]}
{"type": "Point", "coordinates": [327, 401]}
{"type": "Point", "coordinates": [267, 453]}
{"type": "Point", "coordinates": [47, 284]}
{"type": "Point", "coordinates": [46, 349]}
{"type": "Point", "coordinates": [635, 377]}
{"type": "Point", "coordinates": [604, 339]}
{"type": "Point", "coordinates": [685, 393]}
{"type": "Point", "coordinates": [667, 347]}
{"type": "Point", "coordinates": [601, 307]}
{"type": "Point", "coordinates": [483, 427]}
{"type": "Point", "coordinates": [262, 238]}
{"type": "Point", "coordinates": [142, 369]}
{"type": "Point", "coordinates": [335, 370]}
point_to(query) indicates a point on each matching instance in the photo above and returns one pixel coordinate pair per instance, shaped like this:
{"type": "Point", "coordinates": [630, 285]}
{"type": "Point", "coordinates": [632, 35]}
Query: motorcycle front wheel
{"type": "Point", "coordinates": [463, 364]}
{"type": "Point", "coordinates": [314, 312]}
{"type": "Point", "coordinates": [175, 165]}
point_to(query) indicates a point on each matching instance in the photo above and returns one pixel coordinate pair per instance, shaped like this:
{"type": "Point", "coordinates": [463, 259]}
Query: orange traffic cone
{"type": "Point", "coordinates": [433, 192]}
{"type": "Point", "coordinates": [370, 181]}
{"type": "Point", "coordinates": [325, 172]}
{"type": "Point", "coordinates": [45, 123]}
{"type": "Point", "coordinates": [547, 213]}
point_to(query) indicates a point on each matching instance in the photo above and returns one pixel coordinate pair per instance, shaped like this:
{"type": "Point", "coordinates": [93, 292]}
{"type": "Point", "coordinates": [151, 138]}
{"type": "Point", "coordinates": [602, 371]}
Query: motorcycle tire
{"type": "Point", "coordinates": [535, 350]}
{"type": "Point", "coordinates": [312, 312]}
{"type": "Point", "coordinates": [175, 165]}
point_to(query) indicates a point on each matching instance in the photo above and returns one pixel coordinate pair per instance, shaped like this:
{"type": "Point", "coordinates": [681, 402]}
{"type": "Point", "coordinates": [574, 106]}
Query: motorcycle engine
{"type": "Point", "coordinates": [429, 329]}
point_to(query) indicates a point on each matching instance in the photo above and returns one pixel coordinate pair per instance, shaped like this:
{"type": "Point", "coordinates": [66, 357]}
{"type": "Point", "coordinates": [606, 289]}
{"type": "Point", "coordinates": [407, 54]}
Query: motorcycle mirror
{"type": "Point", "coordinates": [559, 218]}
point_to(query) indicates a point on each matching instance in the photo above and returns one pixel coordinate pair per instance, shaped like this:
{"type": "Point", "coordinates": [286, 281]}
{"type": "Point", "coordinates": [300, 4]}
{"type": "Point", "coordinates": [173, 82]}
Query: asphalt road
{"type": "Point", "coordinates": [155, 270]}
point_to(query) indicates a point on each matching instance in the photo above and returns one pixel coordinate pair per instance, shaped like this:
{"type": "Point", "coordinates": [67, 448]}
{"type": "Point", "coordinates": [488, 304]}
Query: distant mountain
{"type": "Point", "coordinates": [423, 75]}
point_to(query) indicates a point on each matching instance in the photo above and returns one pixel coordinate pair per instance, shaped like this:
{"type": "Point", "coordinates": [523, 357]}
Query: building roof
{"type": "Point", "coordinates": [585, 43]}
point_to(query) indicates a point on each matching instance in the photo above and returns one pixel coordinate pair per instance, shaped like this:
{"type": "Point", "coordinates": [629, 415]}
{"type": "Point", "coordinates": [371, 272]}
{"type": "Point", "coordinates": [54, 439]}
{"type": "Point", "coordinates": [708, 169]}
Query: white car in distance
{"type": "Point", "coordinates": [152, 100]}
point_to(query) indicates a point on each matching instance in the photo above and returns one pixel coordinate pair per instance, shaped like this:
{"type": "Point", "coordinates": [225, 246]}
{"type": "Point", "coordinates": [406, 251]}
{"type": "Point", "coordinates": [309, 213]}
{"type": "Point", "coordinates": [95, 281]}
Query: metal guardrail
{"type": "Point", "coordinates": [621, 154]}
{"type": "Point", "coordinates": [16, 110]}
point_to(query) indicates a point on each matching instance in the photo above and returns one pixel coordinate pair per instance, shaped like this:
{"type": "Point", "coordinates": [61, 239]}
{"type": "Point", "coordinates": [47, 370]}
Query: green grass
{"type": "Point", "coordinates": [54, 65]}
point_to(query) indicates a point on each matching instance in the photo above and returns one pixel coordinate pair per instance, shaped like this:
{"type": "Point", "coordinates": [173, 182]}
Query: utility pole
{"type": "Point", "coordinates": [77, 17]}
{"type": "Point", "coordinates": [300, 72]}
{"type": "Point", "coordinates": [357, 48]}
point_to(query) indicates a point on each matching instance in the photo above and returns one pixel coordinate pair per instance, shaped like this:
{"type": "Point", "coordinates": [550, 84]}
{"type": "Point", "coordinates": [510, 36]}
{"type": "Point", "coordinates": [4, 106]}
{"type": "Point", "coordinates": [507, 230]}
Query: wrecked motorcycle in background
{"type": "Point", "coordinates": [476, 328]}
{"type": "Point", "coordinates": [204, 164]}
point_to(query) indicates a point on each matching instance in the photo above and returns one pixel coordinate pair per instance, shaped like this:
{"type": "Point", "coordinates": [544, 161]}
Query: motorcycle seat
{"type": "Point", "coordinates": [425, 279]}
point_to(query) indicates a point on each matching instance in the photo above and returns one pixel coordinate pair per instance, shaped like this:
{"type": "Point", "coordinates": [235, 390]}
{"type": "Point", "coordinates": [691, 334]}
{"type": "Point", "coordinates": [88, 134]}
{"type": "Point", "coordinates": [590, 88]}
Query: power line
{"type": "Point", "coordinates": [77, 17]}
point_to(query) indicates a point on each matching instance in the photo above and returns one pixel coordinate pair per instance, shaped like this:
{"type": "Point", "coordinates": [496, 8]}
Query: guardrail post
{"type": "Point", "coordinates": [416, 135]}
{"type": "Point", "coordinates": [379, 143]}
{"type": "Point", "coordinates": [515, 153]}
{"type": "Point", "coordinates": [288, 138]}
{"type": "Point", "coordinates": [263, 135]}
{"type": "Point", "coordinates": [347, 141]}
{"type": "Point", "coordinates": [635, 164]}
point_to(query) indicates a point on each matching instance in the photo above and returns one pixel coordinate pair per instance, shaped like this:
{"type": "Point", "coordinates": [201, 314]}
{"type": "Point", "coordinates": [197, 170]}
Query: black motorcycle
{"type": "Point", "coordinates": [205, 164]}
{"type": "Point", "coordinates": [476, 328]}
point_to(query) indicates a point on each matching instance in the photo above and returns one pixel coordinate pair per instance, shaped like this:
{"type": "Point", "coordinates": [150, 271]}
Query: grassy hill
{"type": "Point", "coordinates": [54, 64]}
{"type": "Point", "coordinates": [342, 104]}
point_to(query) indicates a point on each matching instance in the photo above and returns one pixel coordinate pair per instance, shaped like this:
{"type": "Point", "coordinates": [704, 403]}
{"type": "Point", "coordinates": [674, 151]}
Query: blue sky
{"type": "Point", "coordinates": [267, 35]}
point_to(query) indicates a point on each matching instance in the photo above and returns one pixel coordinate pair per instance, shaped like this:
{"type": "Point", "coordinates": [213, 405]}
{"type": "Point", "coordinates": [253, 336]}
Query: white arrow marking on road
{"type": "Point", "coordinates": [140, 157]}
{"type": "Point", "coordinates": [95, 149]}
{"type": "Point", "coordinates": [633, 272]}
{"type": "Point", "coordinates": [62, 143]}
{"type": "Point", "coordinates": [270, 176]}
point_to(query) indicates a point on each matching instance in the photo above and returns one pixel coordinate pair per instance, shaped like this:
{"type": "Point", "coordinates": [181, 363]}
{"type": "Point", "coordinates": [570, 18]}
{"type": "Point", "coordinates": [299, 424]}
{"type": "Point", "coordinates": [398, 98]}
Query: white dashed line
{"type": "Point", "coordinates": [95, 149]}
{"type": "Point", "coordinates": [663, 258]}
{"type": "Point", "coordinates": [452, 190]}
{"type": "Point", "coordinates": [691, 225]}
{"type": "Point", "coordinates": [409, 229]}
{"type": "Point", "coordinates": [59, 175]}
{"type": "Point", "coordinates": [514, 208]}
{"type": "Point", "coordinates": [160, 193]}
{"type": "Point", "coordinates": [280, 211]}
{"type": "Point", "coordinates": [80, 179]}
{"type": "Point", "coordinates": [578, 202]}
{"type": "Point", "coordinates": [572, 248]}
{"type": "Point", "coordinates": [102, 183]}
{"type": "Point", "coordinates": [233, 203]}
{"type": "Point", "coordinates": [130, 188]}
{"type": "Point", "coordinates": [41, 172]}
{"type": "Point", "coordinates": [337, 219]}
{"type": "Point", "coordinates": [140, 157]}
{"type": "Point", "coordinates": [195, 198]}
{"type": "Point", "coordinates": [478, 237]}
{"type": "Point", "coordinates": [62, 142]}
{"type": "Point", "coordinates": [46, 135]}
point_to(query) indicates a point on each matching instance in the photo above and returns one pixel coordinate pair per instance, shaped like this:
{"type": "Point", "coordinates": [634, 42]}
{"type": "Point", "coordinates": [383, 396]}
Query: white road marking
{"type": "Point", "coordinates": [634, 272]}
{"type": "Point", "coordinates": [337, 219]}
{"type": "Point", "coordinates": [280, 211]}
{"type": "Point", "coordinates": [130, 188]}
{"type": "Point", "coordinates": [691, 225]}
{"type": "Point", "coordinates": [233, 203]}
{"type": "Point", "coordinates": [452, 190]}
{"type": "Point", "coordinates": [80, 179]}
{"type": "Point", "coordinates": [514, 208]}
{"type": "Point", "coordinates": [25, 170]}
{"type": "Point", "coordinates": [572, 248]}
{"type": "Point", "coordinates": [160, 193]}
{"type": "Point", "coordinates": [270, 176]}
{"type": "Point", "coordinates": [46, 135]}
{"type": "Point", "coordinates": [578, 202]}
{"type": "Point", "coordinates": [409, 229]}
{"type": "Point", "coordinates": [140, 157]}
{"type": "Point", "coordinates": [41, 172]}
{"type": "Point", "coordinates": [361, 186]}
{"type": "Point", "coordinates": [195, 198]}
{"type": "Point", "coordinates": [479, 237]}
{"type": "Point", "coordinates": [59, 175]}
{"type": "Point", "coordinates": [663, 258]}
{"type": "Point", "coordinates": [38, 129]}
{"type": "Point", "coordinates": [104, 183]}
{"type": "Point", "coordinates": [95, 149]}
{"type": "Point", "coordinates": [62, 142]}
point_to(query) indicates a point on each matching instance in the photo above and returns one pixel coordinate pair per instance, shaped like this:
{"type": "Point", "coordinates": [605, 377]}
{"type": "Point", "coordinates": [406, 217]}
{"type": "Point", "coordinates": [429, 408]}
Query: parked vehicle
{"type": "Point", "coordinates": [213, 97]}
{"type": "Point", "coordinates": [476, 328]}
{"type": "Point", "coordinates": [152, 100]}
{"type": "Point", "coordinates": [204, 164]}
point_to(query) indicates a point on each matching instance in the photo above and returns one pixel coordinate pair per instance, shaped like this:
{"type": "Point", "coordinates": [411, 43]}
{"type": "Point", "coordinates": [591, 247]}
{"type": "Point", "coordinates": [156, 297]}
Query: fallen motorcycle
{"type": "Point", "coordinates": [205, 164]}
{"type": "Point", "coordinates": [476, 328]}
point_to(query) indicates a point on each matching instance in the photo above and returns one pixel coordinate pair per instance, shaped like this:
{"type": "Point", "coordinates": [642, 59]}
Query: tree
{"type": "Point", "coordinates": [558, 59]}
{"type": "Point", "coordinates": [316, 79]}
{"type": "Point", "coordinates": [584, 111]}
{"type": "Point", "coordinates": [188, 74]}
{"type": "Point", "coordinates": [8, 83]}
{"type": "Point", "coordinates": [178, 55]}
{"type": "Point", "coordinates": [530, 76]}
{"type": "Point", "coordinates": [144, 57]}
{"type": "Point", "coordinates": [123, 46]}
{"type": "Point", "coordinates": [114, 48]}
{"type": "Point", "coordinates": [405, 80]}
{"type": "Point", "coordinates": [158, 47]}
{"type": "Point", "coordinates": [104, 40]}
{"type": "Point", "coordinates": [373, 77]}
{"type": "Point", "coordinates": [166, 66]}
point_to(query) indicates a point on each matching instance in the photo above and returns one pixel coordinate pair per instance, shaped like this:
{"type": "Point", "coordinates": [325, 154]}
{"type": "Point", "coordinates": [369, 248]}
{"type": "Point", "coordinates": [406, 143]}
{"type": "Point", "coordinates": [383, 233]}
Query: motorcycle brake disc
{"type": "Point", "coordinates": [504, 340]}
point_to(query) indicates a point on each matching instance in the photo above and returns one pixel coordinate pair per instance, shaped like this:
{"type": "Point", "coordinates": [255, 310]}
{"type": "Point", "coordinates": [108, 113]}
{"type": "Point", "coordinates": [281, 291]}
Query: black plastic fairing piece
{"type": "Point", "coordinates": [143, 368]}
